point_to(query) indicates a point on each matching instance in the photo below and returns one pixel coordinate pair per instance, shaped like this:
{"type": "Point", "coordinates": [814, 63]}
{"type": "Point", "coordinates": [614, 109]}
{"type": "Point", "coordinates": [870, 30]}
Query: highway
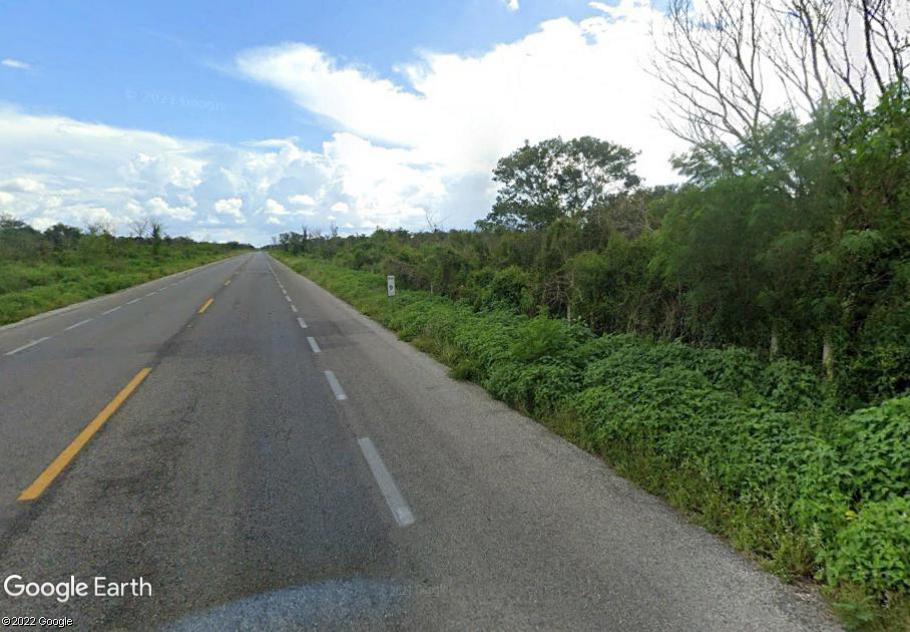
{"type": "Point", "coordinates": [267, 458]}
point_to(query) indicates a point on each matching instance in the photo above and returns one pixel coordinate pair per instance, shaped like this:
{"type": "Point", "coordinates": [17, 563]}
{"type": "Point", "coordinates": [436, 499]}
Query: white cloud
{"type": "Point", "coordinates": [22, 184]}
{"type": "Point", "coordinates": [512, 5]}
{"type": "Point", "coordinates": [273, 207]}
{"type": "Point", "coordinates": [426, 141]}
{"type": "Point", "coordinates": [160, 208]}
{"type": "Point", "coordinates": [275, 212]}
{"type": "Point", "coordinates": [16, 64]}
{"type": "Point", "coordinates": [302, 200]}
{"type": "Point", "coordinates": [60, 169]}
{"type": "Point", "coordinates": [402, 148]}
{"type": "Point", "coordinates": [460, 113]}
{"type": "Point", "coordinates": [230, 207]}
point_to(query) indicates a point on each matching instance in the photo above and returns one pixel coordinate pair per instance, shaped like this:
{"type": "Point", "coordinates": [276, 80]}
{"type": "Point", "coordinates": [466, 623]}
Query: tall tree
{"type": "Point", "coordinates": [556, 178]}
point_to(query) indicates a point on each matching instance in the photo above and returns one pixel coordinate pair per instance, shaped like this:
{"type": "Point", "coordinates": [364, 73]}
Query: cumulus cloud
{"type": "Point", "coordinates": [274, 212]}
{"type": "Point", "coordinates": [459, 113]}
{"type": "Point", "coordinates": [512, 5]}
{"type": "Point", "coordinates": [423, 141]}
{"type": "Point", "coordinates": [60, 169]}
{"type": "Point", "coordinates": [16, 64]}
{"type": "Point", "coordinates": [230, 207]}
{"type": "Point", "coordinates": [302, 200]}
{"type": "Point", "coordinates": [160, 208]}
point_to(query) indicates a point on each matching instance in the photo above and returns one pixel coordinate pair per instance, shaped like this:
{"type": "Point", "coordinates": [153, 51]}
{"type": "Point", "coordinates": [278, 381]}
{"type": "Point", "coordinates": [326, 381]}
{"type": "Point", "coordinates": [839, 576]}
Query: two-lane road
{"type": "Point", "coordinates": [286, 463]}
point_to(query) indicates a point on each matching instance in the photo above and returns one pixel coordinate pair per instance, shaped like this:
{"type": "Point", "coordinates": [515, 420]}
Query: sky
{"type": "Point", "coordinates": [232, 122]}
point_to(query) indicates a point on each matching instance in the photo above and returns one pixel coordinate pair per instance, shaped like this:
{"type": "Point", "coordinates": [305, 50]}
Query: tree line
{"type": "Point", "coordinates": [22, 243]}
{"type": "Point", "coordinates": [790, 235]}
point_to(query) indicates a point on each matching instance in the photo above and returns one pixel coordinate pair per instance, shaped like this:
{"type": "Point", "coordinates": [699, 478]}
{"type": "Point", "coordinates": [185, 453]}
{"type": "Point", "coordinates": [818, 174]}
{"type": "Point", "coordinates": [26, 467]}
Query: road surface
{"type": "Point", "coordinates": [264, 457]}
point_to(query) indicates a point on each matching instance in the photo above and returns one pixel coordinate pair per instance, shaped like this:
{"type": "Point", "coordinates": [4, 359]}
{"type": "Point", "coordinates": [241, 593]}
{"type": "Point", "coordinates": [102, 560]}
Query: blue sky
{"type": "Point", "coordinates": [166, 65]}
{"type": "Point", "coordinates": [191, 107]}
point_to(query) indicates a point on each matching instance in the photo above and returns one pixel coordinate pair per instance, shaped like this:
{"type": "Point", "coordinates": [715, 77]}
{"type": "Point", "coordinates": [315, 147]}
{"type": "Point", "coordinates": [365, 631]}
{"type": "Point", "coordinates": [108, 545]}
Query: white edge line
{"type": "Point", "coordinates": [28, 345]}
{"type": "Point", "coordinates": [135, 300]}
{"type": "Point", "coordinates": [152, 293]}
{"type": "Point", "coordinates": [336, 386]}
{"type": "Point", "coordinates": [288, 298]}
{"type": "Point", "coordinates": [301, 322]}
{"type": "Point", "coordinates": [293, 308]}
{"type": "Point", "coordinates": [79, 324]}
{"type": "Point", "coordinates": [111, 310]}
{"type": "Point", "coordinates": [313, 344]}
{"type": "Point", "coordinates": [393, 498]}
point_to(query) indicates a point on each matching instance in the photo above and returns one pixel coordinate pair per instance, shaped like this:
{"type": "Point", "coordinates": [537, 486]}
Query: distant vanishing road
{"type": "Point", "coordinates": [266, 458]}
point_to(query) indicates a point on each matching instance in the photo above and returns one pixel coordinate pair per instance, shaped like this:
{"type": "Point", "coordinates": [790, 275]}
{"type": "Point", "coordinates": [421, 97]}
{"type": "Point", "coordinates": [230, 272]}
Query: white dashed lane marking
{"type": "Point", "coordinates": [27, 345]}
{"type": "Point", "coordinates": [393, 498]}
{"type": "Point", "coordinates": [335, 386]}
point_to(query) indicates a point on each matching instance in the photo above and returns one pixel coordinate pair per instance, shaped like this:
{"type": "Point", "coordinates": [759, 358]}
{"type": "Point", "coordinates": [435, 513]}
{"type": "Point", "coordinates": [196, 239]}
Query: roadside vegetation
{"type": "Point", "coordinates": [739, 343]}
{"type": "Point", "coordinates": [761, 452]}
{"type": "Point", "coordinates": [40, 271]}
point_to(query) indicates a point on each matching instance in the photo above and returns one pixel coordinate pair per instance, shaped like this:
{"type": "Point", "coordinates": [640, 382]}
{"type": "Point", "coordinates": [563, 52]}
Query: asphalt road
{"type": "Point", "coordinates": [289, 464]}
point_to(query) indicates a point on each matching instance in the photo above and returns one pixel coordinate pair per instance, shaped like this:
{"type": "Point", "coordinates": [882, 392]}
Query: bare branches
{"type": "Point", "coordinates": [140, 227]}
{"type": "Point", "coordinates": [710, 60]}
{"type": "Point", "coordinates": [715, 59]}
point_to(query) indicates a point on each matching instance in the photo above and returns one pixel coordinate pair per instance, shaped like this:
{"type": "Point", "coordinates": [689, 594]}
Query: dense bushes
{"type": "Point", "coordinates": [802, 258]}
{"type": "Point", "coordinates": [757, 450]}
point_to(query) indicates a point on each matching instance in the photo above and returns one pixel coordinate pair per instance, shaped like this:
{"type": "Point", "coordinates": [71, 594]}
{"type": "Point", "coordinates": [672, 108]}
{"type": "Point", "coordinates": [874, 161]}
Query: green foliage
{"type": "Point", "coordinates": [557, 178]}
{"type": "Point", "coordinates": [508, 288]}
{"type": "Point", "coordinates": [873, 550]}
{"type": "Point", "coordinates": [794, 241]}
{"type": "Point", "coordinates": [542, 337]}
{"type": "Point", "coordinates": [756, 450]}
{"type": "Point", "coordinates": [679, 332]}
{"type": "Point", "coordinates": [64, 265]}
{"type": "Point", "coordinates": [876, 443]}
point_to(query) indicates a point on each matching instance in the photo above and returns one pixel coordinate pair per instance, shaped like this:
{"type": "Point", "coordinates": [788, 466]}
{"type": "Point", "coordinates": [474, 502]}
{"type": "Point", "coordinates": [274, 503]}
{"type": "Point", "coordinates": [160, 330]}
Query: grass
{"type": "Point", "coordinates": [32, 287]}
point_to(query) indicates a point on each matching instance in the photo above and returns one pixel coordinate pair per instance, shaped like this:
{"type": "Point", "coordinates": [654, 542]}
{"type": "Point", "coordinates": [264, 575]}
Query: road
{"type": "Point", "coordinates": [278, 461]}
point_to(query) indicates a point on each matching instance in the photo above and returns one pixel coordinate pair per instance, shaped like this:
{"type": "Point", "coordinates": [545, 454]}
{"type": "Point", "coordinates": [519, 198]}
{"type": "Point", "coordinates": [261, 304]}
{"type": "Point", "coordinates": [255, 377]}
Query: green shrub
{"type": "Point", "coordinates": [873, 550]}
{"type": "Point", "coordinates": [876, 446]}
{"type": "Point", "coordinates": [757, 450]}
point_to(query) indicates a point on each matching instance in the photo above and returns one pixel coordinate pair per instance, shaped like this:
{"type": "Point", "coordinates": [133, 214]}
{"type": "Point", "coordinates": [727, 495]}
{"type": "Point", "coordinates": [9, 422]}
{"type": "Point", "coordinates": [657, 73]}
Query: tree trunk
{"type": "Point", "coordinates": [828, 359]}
{"type": "Point", "coordinates": [774, 346]}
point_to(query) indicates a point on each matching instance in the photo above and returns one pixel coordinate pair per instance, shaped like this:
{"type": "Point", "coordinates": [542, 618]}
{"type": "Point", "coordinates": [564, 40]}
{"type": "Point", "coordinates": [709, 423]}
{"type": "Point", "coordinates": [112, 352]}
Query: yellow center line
{"type": "Point", "coordinates": [205, 306]}
{"type": "Point", "coordinates": [44, 480]}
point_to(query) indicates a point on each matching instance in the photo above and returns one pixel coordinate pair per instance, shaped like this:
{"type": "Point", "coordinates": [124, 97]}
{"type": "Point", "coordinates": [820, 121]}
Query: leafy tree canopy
{"type": "Point", "coordinates": [556, 178]}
